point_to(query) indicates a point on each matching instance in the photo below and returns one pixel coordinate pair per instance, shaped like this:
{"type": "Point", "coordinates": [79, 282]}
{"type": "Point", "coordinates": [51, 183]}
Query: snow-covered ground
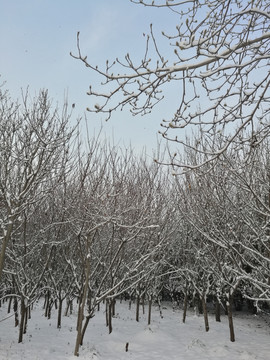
{"type": "Point", "coordinates": [166, 338]}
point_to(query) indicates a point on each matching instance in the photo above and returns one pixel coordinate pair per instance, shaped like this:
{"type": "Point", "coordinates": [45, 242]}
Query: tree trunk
{"type": "Point", "coordinates": [217, 310]}
{"type": "Point", "coordinates": [107, 312]}
{"type": "Point", "coordinates": [230, 318]}
{"type": "Point", "coordinates": [113, 302]}
{"type": "Point", "coordinates": [67, 307]}
{"type": "Point", "coordinates": [50, 305]}
{"type": "Point", "coordinates": [81, 309]}
{"type": "Point", "coordinates": [79, 330]}
{"type": "Point", "coordinates": [88, 317]}
{"type": "Point", "coordinates": [79, 301]}
{"type": "Point", "coordinates": [29, 312]}
{"type": "Point", "coordinates": [143, 309]}
{"type": "Point", "coordinates": [138, 308]}
{"type": "Point", "coordinates": [5, 241]}
{"type": "Point", "coordinates": [205, 314]}
{"type": "Point", "coordinates": [225, 307]}
{"type": "Point", "coordinates": [71, 307]}
{"type": "Point", "coordinates": [59, 317]}
{"type": "Point", "coordinates": [160, 309]}
{"type": "Point", "coordinates": [9, 304]}
{"type": "Point", "coordinates": [22, 322]}
{"type": "Point", "coordinates": [110, 305]}
{"type": "Point", "coordinates": [185, 307]}
{"type": "Point", "coordinates": [15, 308]}
{"type": "Point", "coordinates": [199, 305]}
{"type": "Point", "coordinates": [47, 304]}
{"type": "Point", "coordinates": [149, 309]}
{"type": "Point", "coordinates": [25, 319]}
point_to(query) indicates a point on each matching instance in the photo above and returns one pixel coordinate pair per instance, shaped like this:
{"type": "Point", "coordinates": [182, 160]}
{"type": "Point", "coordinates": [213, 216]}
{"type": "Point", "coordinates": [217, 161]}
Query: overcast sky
{"type": "Point", "coordinates": [37, 37]}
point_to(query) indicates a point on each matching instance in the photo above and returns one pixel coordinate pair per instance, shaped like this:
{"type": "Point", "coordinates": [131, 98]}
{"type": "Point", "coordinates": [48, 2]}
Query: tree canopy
{"type": "Point", "coordinates": [219, 52]}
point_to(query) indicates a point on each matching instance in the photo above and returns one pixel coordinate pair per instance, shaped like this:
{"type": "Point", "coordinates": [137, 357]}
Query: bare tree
{"type": "Point", "coordinates": [226, 206]}
{"type": "Point", "coordinates": [34, 152]}
{"type": "Point", "coordinates": [219, 53]}
{"type": "Point", "coordinates": [115, 221]}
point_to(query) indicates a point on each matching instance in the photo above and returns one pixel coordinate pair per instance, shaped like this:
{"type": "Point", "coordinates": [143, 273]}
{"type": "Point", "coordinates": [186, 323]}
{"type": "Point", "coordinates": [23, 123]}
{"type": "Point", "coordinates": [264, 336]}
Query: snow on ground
{"type": "Point", "coordinates": [166, 338]}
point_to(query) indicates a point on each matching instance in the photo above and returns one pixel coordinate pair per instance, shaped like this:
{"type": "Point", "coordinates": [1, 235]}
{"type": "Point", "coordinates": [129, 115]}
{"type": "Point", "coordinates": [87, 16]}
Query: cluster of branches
{"type": "Point", "coordinates": [79, 219]}
{"type": "Point", "coordinates": [224, 251]}
{"type": "Point", "coordinates": [219, 54]}
{"type": "Point", "coordinates": [91, 222]}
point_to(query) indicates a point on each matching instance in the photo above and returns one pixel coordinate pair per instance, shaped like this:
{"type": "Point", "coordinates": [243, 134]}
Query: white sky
{"type": "Point", "coordinates": [37, 37]}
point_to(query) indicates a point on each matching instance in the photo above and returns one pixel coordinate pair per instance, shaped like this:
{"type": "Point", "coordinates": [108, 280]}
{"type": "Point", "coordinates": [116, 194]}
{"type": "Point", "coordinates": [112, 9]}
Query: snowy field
{"type": "Point", "coordinates": [166, 338]}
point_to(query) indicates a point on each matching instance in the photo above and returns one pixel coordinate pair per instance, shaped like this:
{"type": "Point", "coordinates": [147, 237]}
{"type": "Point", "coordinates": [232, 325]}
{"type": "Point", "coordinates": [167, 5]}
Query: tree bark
{"type": "Point", "coordinates": [22, 322]}
{"type": "Point", "coordinates": [160, 309]}
{"type": "Point", "coordinates": [230, 318]}
{"type": "Point", "coordinates": [5, 241]}
{"type": "Point", "coordinates": [67, 307]}
{"type": "Point", "coordinates": [29, 312]}
{"type": "Point", "coordinates": [110, 305]}
{"type": "Point", "coordinates": [59, 317]}
{"type": "Point", "coordinates": [107, 313]}
{"type": "Point", "coordinates": [149, 309]}
{"type": "Point", "coordinates": [138, 308]}
{"type": "Point", "coordinates": [185, 308]}
{"type": "Point", "coordinates": [81, 309]}
{"type": "Point", "coordinates": [15, 308]}
{"type": "Point", "coordinates": [88, 317]}
{"type": "Point", "coordinates": [47, 303]}
{"type": "Point", "coordinates": [143, 309]}
{"type": "Point", "coordinates": [79, 301]}
{"type": "Point", "coordinates": [205, 314]}
{"type": "Point", "coordinates": [9, 304]}
{"type": "Point", "coordinates": [25, 319]}
{"type": "Point", "coordinates": [113, 302]}
{"type": "Point", "coordinates": [50, 305]}
{"type": "Point", "coordinates": [199, 305]}
{"type": "Point", "coordinates": [217, 310]}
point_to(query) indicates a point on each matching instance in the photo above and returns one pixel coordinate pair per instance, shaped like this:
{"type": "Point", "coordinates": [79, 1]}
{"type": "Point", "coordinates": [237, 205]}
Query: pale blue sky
{"type": "Point", "coordinates": [38, 35]}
